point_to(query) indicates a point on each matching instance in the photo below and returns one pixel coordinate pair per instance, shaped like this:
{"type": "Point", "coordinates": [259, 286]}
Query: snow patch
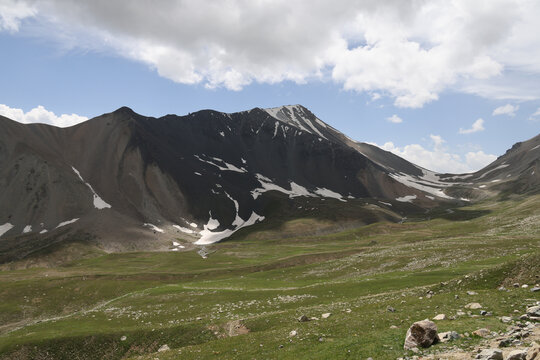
{"type": "Point", "coordinates": [210, 237]}
{"type": "Point", "coordinates": [329, 193]}
{"type": "Point", "coordinates": [5, 228]}
{"type": "Point", "coordinates": [153, 227]}
{"type": "Point", "coordinates": [27, 229]}
{"type": "Point", "coordinates": [226, 167]}
{"type": "Point", "coordinates": [385, 203]}
{"type": "Point", "coordinates": [197, 173]}
{"type": "Point", "coordinates": [406, 198]}
{"type": "Point", "coordinates": [99, 203]}
{"type": "Point", "coordinates": [492, 170]}
{"type": "Point", "coordinates": [193, 225]}
{"type": "Point", "coordinates": [430, 197]}
{"type": "Point", "coordinates": [428, 183]}
{"type": "Point", "coordinates": [66, 223]}
{"type": "Point", "coordinates": [536, 147]}
{"type": "Point", "coordinates": [43, 231]}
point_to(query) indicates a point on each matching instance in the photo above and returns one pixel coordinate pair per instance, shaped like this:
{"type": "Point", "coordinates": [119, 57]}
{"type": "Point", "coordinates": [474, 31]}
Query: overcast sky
{"type": "Point", "coordinates": [449, 85]}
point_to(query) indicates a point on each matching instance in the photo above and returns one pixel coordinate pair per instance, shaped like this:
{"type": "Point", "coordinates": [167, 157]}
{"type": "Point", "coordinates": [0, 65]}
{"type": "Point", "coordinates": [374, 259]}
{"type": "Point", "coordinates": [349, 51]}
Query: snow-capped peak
{"type": "Point", "coordinates": [298, 117]}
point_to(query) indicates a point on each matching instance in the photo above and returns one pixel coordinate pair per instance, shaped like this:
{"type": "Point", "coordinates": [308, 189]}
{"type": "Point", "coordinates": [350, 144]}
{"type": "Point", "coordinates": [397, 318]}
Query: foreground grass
{"type": "Point", "coordinates": [84, 309]}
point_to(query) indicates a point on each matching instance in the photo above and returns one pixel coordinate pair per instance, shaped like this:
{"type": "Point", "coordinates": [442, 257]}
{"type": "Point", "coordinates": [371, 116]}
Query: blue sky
{"type": "Point", "coordinates": [379, 72]}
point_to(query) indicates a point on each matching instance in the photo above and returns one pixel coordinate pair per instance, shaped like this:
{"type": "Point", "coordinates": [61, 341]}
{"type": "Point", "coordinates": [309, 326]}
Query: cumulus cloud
{"type": "Point", "coordinates": [12, 13]}
{"type": "Point", "coordinates": [477, 126]}
{"type": "Point", "coordinates": [407, 50]}
{"type": "Point", "coordinates": [40, 115]}
{"type": "Point", "coordinates": [394, 119]}
{"type": "Point", "coordinates": [507, 109]}
{"type": "Point", "coordinates": [440, 159]}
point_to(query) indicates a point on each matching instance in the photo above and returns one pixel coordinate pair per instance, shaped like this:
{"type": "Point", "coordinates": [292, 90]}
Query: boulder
{"type": "Point", "coordinates": [517, 355]}
{"type": "Point", "coordinates": [421, 334]}
{"type": "Point", "coordinates": [506, 319]}
{"type": "Point", "coordinates": [326, 315]}
{"type": "Point", "coordinates": [303, 318]}
{"type": "Point", "coordinates": [535, 289]}
{"type": "Point", "coordinates": [473, 306]}
{"type": "Point", "coordinates": [490, 354]}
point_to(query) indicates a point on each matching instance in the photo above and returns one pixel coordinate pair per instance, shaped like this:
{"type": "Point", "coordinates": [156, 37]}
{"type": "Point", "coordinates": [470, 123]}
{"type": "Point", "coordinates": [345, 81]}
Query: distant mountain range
{"type": "Point", "coordinates": [128, 182]}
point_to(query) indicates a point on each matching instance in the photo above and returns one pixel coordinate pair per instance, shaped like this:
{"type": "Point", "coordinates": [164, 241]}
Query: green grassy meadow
{"type": "Point", "coordinates": [126, 306]}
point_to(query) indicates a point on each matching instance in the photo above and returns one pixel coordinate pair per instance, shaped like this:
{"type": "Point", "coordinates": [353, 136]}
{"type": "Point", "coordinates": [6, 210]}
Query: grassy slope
{"type": "Point", "coordinates": [81, 310]}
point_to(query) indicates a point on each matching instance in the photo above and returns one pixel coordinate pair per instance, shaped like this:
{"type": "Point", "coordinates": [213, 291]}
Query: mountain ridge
{"type": "Point", "coordinates": [204, 176]}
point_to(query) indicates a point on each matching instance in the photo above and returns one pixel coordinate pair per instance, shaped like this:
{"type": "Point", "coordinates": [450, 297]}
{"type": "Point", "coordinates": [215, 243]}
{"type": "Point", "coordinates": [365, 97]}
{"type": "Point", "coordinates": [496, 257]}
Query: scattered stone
{"type": "Point", "coordinates": [429, 296]}
{"type": "Point", "coordinates": [440, 317]}
{"type": "Point", "coordinates": [482, 332]}
{"type": "Point", "coordinates": [390, 309]}
{"type": "Point", "coordinates": [472, 293]}
{"type": "Point", "coordinates": [506, 319]}
{"type": "Point", "coordinates": [535, 289]}
{"type": "Point", "coordinates": [293, 333]}
{"type": "Point", "coordinates": [123, 338]}
{"type": "Point", "coordinates": [348, 311]}
{"type": "Point", "coordinates": [163, 348]}
{"type": "Point", "coordinates": [421, 334]}
{"type": "Point", "coordinates": [524, 286]}
{"type": "Point", "coordinates": [517, 355]}
{"type": "Point", "coordinates": [326, 315]}
{"type": "Point", "coordinates": [303, 318]}
{"type": "Point", "coordinates": [490, 354]}
{"type": "Point", "coordinates": [393, 327]}
{"type": "Point", "coordinates": [448, 336]}
{"type": "Point", "coordinates": [501, 288]}
{"type": "Point", "coordinates": [456, 296]}
{"type": "Point", "coordinates": [483, 312]}
{"type": "Point", "coordinates": [460, 313]}
{"type": "Point", "coordinates": [533, 310]}
{"type": "Point", "coordinates": [281, 346]}
{"type": "Point", "coordinates": [473, 306]}
{"type": "Point", "coordinates": [516, 285]}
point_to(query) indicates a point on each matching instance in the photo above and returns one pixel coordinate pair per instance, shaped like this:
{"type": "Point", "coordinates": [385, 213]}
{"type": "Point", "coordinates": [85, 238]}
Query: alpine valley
{"type": "Point", "coordinates": [174, 235]}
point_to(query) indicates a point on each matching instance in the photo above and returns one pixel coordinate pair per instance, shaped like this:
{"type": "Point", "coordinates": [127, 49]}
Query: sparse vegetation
{"type": "Point", "coordinates": [127, 306]}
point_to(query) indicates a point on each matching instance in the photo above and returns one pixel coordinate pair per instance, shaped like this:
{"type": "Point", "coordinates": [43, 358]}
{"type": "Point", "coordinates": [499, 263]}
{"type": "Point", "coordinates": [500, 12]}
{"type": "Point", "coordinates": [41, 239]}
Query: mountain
{"type": "Point", "coordinates": [125, 182]}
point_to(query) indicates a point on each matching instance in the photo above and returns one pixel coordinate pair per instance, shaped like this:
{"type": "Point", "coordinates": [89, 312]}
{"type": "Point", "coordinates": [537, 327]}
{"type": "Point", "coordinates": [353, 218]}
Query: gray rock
{"type": "Point", "coordinates": [506, 319]}
{"type": "Point", "coordinates": [533, 311]}
{"type": "Point", "coordinates": [303, 318]}
{"type": "Point", "coordinates": [517, 355]}
{"type": "Point", "coordinates": [448, 336]}
{"type": "Point", "coordinates": [490, 354]}
{"type": "Point", "coordinates": [163, 348]}
{"type": "Point", "coordinates": [473, 306]}
{"type": "Point", "coordinates": [421, 334]}
{"type": "Point", "coordinates": [535, 289]}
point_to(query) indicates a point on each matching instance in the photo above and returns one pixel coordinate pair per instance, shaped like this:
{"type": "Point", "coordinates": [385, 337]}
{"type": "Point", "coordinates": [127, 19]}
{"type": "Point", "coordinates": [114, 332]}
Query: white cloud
{"type": "Point", "coordinates": [477, 126]}
{"type": "Point", "coordinates": [12, 13]}
{"type": "Point", "coordinates": [40, 115]}
{"type": "Point", "coordinates": [394, 119]}
{"type": "Point", "coordinates": [507, 109]}
{"type": "Point", "coordinates": [439, 159]}
{"type": "Point", "coordinates": [535, 116]}
{"type": "Point", "coordinates": [407, 50]}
